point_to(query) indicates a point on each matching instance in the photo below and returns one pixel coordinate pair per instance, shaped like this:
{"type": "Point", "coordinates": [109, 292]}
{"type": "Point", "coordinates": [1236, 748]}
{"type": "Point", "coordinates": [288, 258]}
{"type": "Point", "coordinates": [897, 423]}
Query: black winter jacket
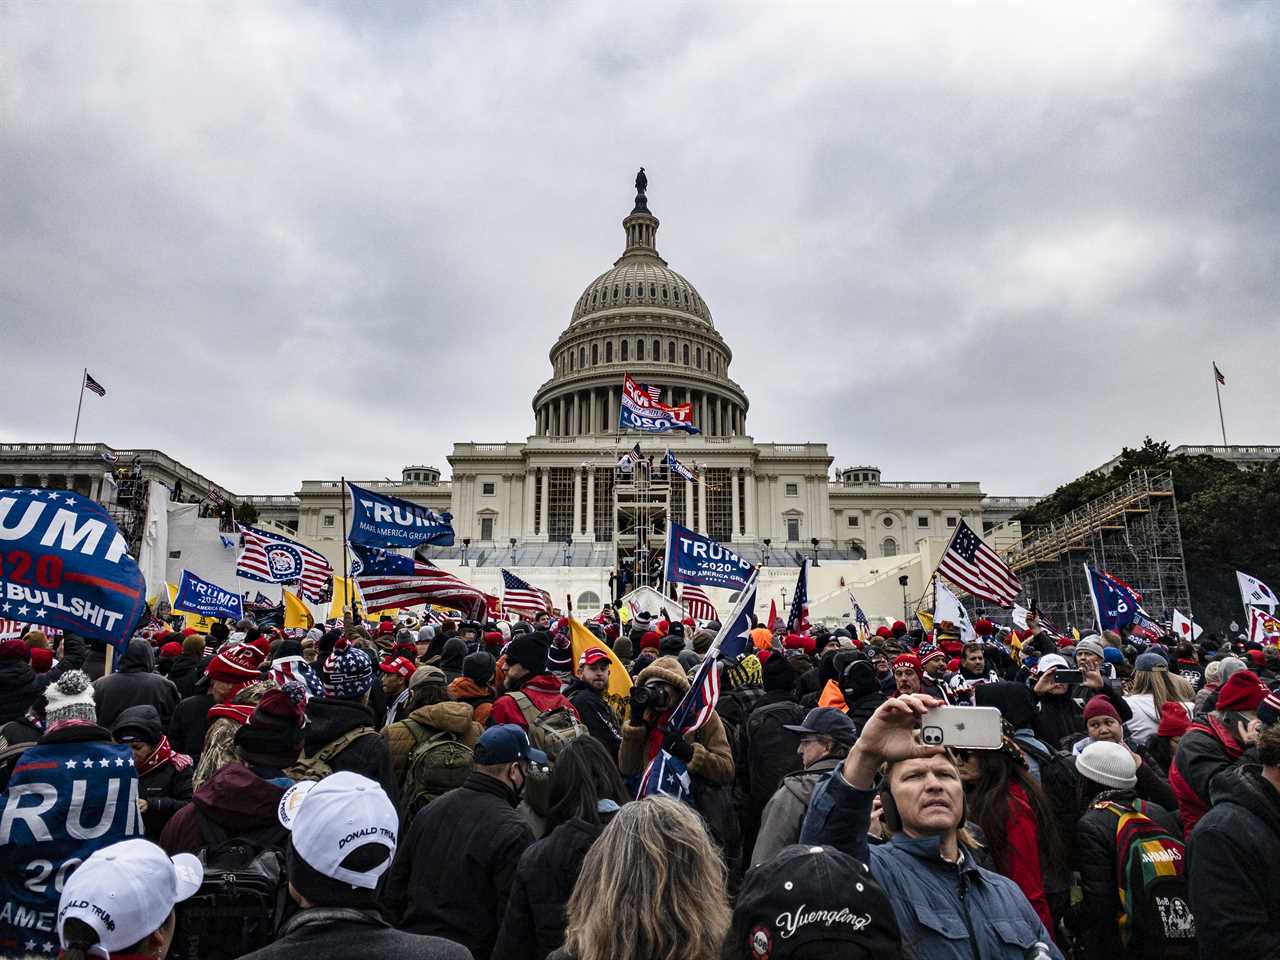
{"type": "Point", "coordinates": [596, 714]}
{"type": "Point", "coordinates": [185, 673]}
{"type": "Point", "coordinates": [453, 871]}
{"type": "Point", "coordinates": [189, 725]}
{"type": "Point", "coordinates": [135, 683]}
{"type": "Point", "coordinates": [368, 756]}
{"type": "Point", "coordinates": [1233, 869]}
{"type": "Point", "coordinates": [1095, 858]}
{"type": "Point", "coordinates": [534, 924]}
{"type": "Point", "coordinates": [166, 789]}
{"type": "Point", "coordinates": [339, 933]}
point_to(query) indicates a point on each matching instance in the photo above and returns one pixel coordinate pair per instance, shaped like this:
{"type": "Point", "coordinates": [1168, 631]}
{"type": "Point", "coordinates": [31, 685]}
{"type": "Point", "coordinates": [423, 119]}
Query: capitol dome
{"type": "Point", "coordinates": [643, 318]}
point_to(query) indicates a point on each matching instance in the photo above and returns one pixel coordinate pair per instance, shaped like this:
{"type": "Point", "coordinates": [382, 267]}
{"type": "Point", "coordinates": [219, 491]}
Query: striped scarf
{"type": "Point", "coordinates": [163, 754]}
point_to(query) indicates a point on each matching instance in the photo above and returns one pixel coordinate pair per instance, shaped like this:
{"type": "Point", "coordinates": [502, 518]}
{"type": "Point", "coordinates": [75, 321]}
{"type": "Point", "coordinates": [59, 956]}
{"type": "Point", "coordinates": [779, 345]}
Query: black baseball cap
{"type": "Point", "coordinates": [809, 895]}
{"type": "Point", "coordinates": [826, 722]}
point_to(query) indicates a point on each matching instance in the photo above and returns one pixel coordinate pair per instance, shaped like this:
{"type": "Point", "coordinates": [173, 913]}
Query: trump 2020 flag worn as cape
{"type": "Point", "coordinates": [1253, 592]}
{"type": "Point", "coordinates": [381, 521]}
{"type": "Point", "coordinates": [639, 411]}
{"type": "Point", "coordinates": [64, 564]}
{"type": "Point", "coordinates": [1114, 604]}
{"type": "Point", "coordinates": [199, 596]}
{"type": "Point", "coordinates": [693, 558]}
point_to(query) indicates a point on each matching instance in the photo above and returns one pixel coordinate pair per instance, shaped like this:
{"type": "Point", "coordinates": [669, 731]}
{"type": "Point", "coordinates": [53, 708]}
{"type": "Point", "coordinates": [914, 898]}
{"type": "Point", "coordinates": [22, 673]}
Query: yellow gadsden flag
{"type": "Point", "coordinates": [344, 591]}
{"type": "Point", "coordinates": [619, 692]}
{"type": "Point", "coordinates": [296, 614]}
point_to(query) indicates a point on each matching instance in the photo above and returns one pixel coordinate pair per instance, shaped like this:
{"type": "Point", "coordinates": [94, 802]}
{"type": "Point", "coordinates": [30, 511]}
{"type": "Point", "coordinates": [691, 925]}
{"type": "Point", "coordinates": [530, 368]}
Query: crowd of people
{"type": "Point", "coordinates": [410, 789]}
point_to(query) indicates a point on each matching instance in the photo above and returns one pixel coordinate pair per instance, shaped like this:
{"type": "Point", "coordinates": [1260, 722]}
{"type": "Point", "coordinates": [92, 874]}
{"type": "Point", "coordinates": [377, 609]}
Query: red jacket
{"type": "Point", "coordinates": [543, 690]}
{"type": "Point", "coordinates": [1023, 854]}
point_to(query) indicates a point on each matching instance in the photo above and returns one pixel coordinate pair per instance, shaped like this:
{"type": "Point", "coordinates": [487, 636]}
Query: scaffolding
{"type": "Point", "coordinates": [1130, 533]}
{"type": "Point", "coordinates": [641, 506]}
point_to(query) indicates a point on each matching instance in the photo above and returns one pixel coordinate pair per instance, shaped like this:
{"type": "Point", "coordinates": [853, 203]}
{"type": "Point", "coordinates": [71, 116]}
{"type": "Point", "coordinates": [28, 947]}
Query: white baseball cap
{"type": "Point", "coordinates": [1050, 660]}
{"type": "Point", "coordinates": [331, 817]}
{"type": "Point", "coordinates": [126, 891]}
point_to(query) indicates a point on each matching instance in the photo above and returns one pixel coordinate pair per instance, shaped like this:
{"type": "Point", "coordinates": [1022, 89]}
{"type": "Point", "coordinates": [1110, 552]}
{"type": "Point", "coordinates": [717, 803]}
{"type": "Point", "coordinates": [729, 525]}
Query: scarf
{"type": "Point", "coordinates": [163, 754]}
{"type": "Point", "coordinates": [239, 712]}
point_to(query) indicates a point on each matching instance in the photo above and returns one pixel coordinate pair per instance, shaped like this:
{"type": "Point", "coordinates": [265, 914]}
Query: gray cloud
{"type": "Point", "coordinates": [299, 240]}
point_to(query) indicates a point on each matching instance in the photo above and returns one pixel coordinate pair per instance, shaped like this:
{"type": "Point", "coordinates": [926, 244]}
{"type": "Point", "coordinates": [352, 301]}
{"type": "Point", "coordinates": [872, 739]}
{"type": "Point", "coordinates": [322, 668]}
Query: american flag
{"type": "Point", "coordinates": [859, 618]}
{"type": "Point", "coordinates": [389, 580]}
{"type": "Point", "coordinates": [519, 595]}
{"type": "Point", "coordinates": [700, 702]}
{"type": "Point", "coordinates": [634, 454]}
{"type": "Point", "coordinates": [974, 567]}
{"type": "Point", "coordinates": [798, 618]}
{"type": "Point", "coordinates": [94, 385]}
{"type": "Point", "coordinates": [1217, 374]}
{"type": "Point", "coordinates": [666, 776]}
{"type": "Point", "coordinates": [271, 558]}
{"type": "Point", "coordinates": [655, 393]}
{"type": "Point", "coordinates": [697, 604]}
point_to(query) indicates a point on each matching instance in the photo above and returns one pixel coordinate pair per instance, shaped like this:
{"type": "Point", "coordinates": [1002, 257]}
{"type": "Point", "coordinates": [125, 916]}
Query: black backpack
{"type": "Point", "coordinates": [1061, 785]}
{"type": "Point", "coordinates": [243, 899]}
{"type": "Point", "coordinates": [771, 749]}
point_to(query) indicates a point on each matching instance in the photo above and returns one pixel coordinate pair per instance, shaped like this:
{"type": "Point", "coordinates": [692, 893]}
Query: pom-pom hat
{"type": "Point", "coordinates": [70, 697]}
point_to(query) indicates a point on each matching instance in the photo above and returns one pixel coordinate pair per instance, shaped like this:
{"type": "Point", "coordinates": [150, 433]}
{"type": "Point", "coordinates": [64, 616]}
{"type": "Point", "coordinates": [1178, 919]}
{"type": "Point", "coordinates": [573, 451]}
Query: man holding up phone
{"type": "Point", "coordinates": [924, 813]}
{"type": "Point", "coordinates": [1062, 701]}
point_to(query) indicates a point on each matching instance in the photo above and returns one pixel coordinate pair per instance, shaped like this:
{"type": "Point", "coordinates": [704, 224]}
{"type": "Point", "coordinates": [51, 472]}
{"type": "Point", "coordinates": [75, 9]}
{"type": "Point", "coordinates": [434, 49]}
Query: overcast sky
{"type": "Point", "coordinates": [295, 240]}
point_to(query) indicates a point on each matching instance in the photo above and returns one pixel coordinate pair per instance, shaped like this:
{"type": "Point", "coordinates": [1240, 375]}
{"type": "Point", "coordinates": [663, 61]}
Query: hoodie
{"type": "Point", "coordinates": [135, 683]}
{"type": "Point", "coordinates": [237, 800]}
{"type": "Point", "coordinates": [479, 699]}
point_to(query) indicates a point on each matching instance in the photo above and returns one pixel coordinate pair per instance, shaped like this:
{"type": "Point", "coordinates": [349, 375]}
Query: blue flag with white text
{"type": "Point", "coordinates": [693, 558]}
{"type": "Point", "coordinates": [1114, 603]}
{"type": "Point", "coordinates": [381, 521]}
{"type": "Point", "coordinates": [196, 595]}
{"type": "Point", "coordinates": [64, 564]}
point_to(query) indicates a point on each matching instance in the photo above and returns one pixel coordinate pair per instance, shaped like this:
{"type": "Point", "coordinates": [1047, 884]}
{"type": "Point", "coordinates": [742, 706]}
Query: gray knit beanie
{"type": "Point", "coordinates": [1109, 764]}
{"type": "Point", "coordinates": [70, 697]}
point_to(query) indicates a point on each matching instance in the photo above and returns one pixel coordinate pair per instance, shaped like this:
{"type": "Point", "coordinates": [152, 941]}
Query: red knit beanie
{"type": "Point", "coordinates": [1173, 720]}
{"type": "Point", "coordinates": [171, 649]}
{"type": "Point", "coordinates": [650, 641]}
{"type": "Point", "coordinates": [41, 659]}
{"type": "Point", "coordinates": [236, 663]}
{"type": "Point", "coordinates": [1100, 706]}
{"type": "Point", "coordinates": [15, 650]}
{"type": "Point", "coordinates": [1242, 692]}
{"type": "Point", "coordinates": [909, 660]}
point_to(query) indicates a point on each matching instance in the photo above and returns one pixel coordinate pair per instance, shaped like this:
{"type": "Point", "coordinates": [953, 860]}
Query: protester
{"type": "Point", "coordinates": [120, 902]}
{"type": "Point", "coordinates": [396, 672]}
{"type": "Point", "coordinates": [586, 693]}
{"type": "Point", "coordinates": [705, 752]}
{"type": "Point", "coordinates": [475, 686]}
{"type": "Point", "coordinates": [226, 674]}
{"type": "Point", "coordinates": [766, 746]}
{"type": "Point", "coordinates": [923, 801]}
{"type": "Point", "coordinates": [860, 691]}
{"type": "Point", "coordinates": [476, 831]}
{"type": "Point", "coordinates": [164, 775]}
{"type": "Point", "coordinates": [1216, 673]}
{"type": "Point", "coordinates": [1233, 861]}
{"type": "Point", "coordinates": [1150, 688]}
{"type": "Point", "coordinates": [825, 737]}
{"type": "Point", "coordinates": [342, 833]}
{"type": "Point", "coordinates": [189, 664]}
{"type": "Point", "coordinates": [135, 683]}
{"type": "Point", "coordinates": [1061, 715]}
{"type": "Point", "coordinates": [652, 887]}
{"type": "Point", "coordinates": [224, 720]}
{"type": "Point", "coordinates": [444, 724]}
{"type": "Point", "coordinates": [585, 793]}
{"type": "Point", "coordinates": [22, 686]}
{"type": "Point", "coordinates": [530, 688]}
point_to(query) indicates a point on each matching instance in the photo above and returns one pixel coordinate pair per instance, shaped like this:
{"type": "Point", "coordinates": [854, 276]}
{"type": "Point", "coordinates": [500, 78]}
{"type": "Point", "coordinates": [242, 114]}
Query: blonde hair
{"type": "Point", "coordinates": [1163, 686]}
{"type": "Point", "coordinates": [652, 887]}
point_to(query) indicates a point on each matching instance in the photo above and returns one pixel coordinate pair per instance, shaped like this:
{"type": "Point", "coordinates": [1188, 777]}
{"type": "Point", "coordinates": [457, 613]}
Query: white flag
{"type": "Point", "coordinates": [1254, 591]}
{"type": "Point", "coordinates": [1184, 628]}
{"type": "Point", "coordinates": [947, 607]}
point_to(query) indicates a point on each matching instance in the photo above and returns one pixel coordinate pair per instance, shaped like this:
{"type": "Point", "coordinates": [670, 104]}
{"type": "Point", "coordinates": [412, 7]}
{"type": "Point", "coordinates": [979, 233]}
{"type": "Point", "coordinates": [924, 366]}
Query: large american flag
{"type": "Point", "coordinates": [798, 618]}
{"type": "Point", "coordinates": [974, 567]}
{"type": "Point", "coordinates": [697, 604]}
{"type": "Point", "coordinates": [390, 580]}
{"type": "Point", "coordinates": [860, 618]}
{"type": "Point", "coordinates": [271, 558]}
{"type": "Point", "coordinates": [520, 595]}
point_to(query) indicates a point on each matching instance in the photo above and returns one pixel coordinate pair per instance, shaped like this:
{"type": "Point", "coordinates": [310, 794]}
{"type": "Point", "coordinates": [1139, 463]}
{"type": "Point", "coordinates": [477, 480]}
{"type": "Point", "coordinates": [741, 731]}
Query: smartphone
{"type": "Point", "coordinates": [1068, 676]}
{"type": "Point", "coordinates": [972, 728]}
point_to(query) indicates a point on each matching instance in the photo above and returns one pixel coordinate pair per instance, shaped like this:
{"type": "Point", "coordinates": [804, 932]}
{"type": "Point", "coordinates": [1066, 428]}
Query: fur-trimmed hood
{"type": "Point", "coordinates": [667, 669]}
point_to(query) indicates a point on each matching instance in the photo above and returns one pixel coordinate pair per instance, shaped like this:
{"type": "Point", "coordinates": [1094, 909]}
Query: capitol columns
{"type": "Point", "coordinates": [751, 532]}
{"type": "Point", "coordinates": [702, 502]}
{"type": "Point", "coordinates": [577, 499]}
{"type": "Point", "coordinates": [735, 530]}
{"type": "Point", "coordinates": [545, 495]}
{"type": "Point", "coordinates": [591, 502]}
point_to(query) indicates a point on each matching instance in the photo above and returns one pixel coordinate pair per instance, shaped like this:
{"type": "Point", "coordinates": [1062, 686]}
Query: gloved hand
{"type": "Point", "coordinates": [678, 747]}
{"type": "Point", "coordinates": [637, 714]}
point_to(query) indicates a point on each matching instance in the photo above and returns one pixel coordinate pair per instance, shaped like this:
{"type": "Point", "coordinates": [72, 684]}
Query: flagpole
{"type": "Point", "coordinates": [346, 576]}
{"type": "Point", "coordinates": [1217, 388]}
{"type": "Point", "coordinates": [76, 433]}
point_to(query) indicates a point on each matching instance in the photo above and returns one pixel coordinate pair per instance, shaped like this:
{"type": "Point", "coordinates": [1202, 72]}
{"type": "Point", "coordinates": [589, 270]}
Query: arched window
{"type": "Point", "coordinates": [639, 349]}
{"type": "Point", "coordinates": [570, 359]}
{"type": "Point", "coordinates": [627, 292]}
{"type": "Point", "coordinates": [608, 351]}
{"type": "Point", "coordinates": [595, 354]}
{"type": "Point", "coordinates": [582, 357]}
{"type": "Point", "coordinates": [664, 293]}
{"type": "Point", "coordinates": [588, 600]}
{"type": "Point", "coordinates": [653, 292]}
{"type": "Point", "coordinates": [671, 351]}
{"type": "Point", "coordinates": [889, 547]}
{"type": "Point", "coordinates": [615, 291]}
{"type": "Point", "coordinates": [686, 354]}
{"type": "Point", "coordinates": [699, 358]}
{"type": "Point", "coordinates": [657, 350]}
{"type": "Point", "coordinates": [624, 350]}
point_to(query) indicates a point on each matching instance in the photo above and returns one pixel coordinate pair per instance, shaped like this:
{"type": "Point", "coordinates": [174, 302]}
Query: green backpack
{"type": "Point", "coordinates": [549, 732]}
{"type": "Point", "coordinates": [438, 763]}
{"type": "Point", "coordinates": [321, 765]}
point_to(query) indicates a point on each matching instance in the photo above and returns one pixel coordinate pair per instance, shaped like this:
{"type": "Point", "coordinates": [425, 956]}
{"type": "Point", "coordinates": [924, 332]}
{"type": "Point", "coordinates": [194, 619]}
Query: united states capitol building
{"type": "Point", "coordinates": [554, 506]}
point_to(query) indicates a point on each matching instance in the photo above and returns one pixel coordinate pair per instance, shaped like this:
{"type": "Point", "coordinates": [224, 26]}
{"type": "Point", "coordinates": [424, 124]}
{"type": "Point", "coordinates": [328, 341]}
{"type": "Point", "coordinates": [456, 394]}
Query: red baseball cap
{"type": "Point", "coordinates": [402, 667]}
{"type": "Point", "coordinates": [592, 655]}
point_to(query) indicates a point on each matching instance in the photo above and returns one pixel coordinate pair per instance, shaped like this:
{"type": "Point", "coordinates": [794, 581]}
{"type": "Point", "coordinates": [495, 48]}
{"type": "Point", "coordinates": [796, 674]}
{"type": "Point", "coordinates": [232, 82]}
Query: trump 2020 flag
{"type": "Point", "coordinates": [1114, 604]}
{"type": "Point", "coordinates": [693, 558]}
{"type": "Point", "coordinates": [1253, 592]}
{"type": "Point", "coordinates": [640, 411]}
{"type": "Point", "coordinates": [381, 521]}
{"type": "Point", "coordinates": [196, 595]}
{"type": "Point", "coordinates": [64, 564]}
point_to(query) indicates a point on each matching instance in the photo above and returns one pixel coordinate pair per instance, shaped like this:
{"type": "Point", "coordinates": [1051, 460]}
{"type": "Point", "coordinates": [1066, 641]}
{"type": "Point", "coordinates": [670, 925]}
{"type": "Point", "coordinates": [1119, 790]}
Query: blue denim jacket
{"type": "Point", "coordinates": [944, 910]}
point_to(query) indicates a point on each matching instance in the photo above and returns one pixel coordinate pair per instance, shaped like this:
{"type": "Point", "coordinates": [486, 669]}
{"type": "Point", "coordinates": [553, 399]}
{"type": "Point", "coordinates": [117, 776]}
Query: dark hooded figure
{"type": "Point", "coordinates": [164, 775]}
{"type": "Point", "coordinates": [135, 683]}
{"type": "Point", "coordinates": [451, 657]}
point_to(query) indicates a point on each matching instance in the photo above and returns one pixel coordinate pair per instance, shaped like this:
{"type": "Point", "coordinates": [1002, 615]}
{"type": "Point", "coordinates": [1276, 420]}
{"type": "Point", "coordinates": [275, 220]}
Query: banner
{"type": "Point", "coordinates": [382, 521]}
{"type": "Point", "coordinates": [345, 593]}
{"type": "Point", "coordinates": [678, 468]}
{"type": "Point", "coordinates": [1114, 604]}
{"type": "Point", "coordinates": [193, 620]}
{"type": "Point", "coordinates": [1263, 628]}
{"type": "Point", "coordinates": [297, 616]}
{"type": "Point", "coordinates": [947, 606]}
{"type": "Point", "coordinates": [65, 565]}
{"type": "Point", "coordinates": [693, 558]}
{"type": "Point", "coordinates": [206, 599]}
{"type": "Point", "coordinates": [64, 801]}
{"type": "Point", "coordinates": [639, 411]}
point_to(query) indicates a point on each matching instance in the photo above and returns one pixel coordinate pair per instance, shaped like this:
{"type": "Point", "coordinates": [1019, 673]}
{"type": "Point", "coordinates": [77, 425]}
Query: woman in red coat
{"type": "Point", "coordinates": [1017, 824]}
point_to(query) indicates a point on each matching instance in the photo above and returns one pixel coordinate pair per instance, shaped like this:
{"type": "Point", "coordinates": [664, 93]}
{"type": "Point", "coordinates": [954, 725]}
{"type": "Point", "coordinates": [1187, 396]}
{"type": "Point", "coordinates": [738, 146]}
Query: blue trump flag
{"type": "Point", "coordinates": [207, 599]}
{"type": "Point", "coordinates": [1114, 604]}
{"type": "Point", "coordinates": [64, 564]}
{"type": "Point", "coordinates": [382, 521]}
{"type": "Point", "coordinates": [693, 558]}
{"type": "Point", "coordinates": [64, 801]}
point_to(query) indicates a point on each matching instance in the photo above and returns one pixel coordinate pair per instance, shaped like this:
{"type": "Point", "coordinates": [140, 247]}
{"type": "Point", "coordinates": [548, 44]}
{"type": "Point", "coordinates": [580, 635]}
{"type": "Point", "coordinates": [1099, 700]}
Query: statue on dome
{"type": "Point", "coordinates": [642, 183]}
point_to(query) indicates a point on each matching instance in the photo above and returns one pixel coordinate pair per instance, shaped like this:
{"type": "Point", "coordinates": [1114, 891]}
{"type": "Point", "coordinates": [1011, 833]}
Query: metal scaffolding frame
{"type": "Point", "coordinates": [642, 504]}
{"type": "Point", "coordinates": [1131, 533]}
